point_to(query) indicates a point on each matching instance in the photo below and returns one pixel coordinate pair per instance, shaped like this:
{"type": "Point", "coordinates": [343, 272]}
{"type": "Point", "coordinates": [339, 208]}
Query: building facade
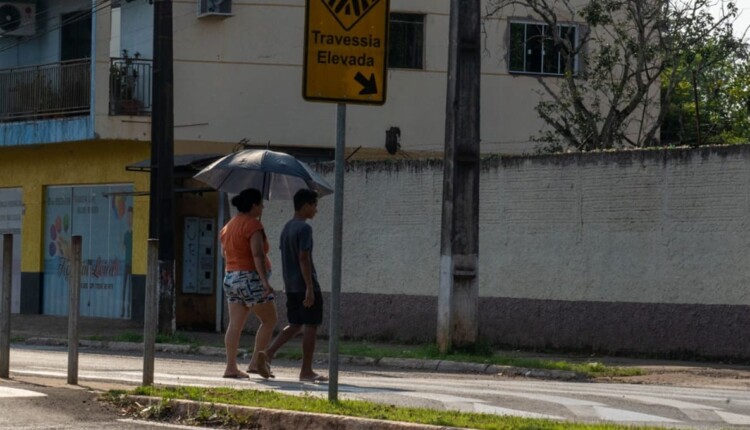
{"type": "Point", "coordinates": [75, 126]}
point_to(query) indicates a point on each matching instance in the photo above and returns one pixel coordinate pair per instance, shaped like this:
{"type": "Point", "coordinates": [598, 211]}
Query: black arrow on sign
{"type": "Point", "coordinates": [369, 86]}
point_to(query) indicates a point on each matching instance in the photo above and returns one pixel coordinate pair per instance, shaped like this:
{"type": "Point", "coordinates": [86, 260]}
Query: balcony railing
{"type": "Point", "coordinates": [129, 86]}
{"type": "Point", "coordinates": [45, 91]}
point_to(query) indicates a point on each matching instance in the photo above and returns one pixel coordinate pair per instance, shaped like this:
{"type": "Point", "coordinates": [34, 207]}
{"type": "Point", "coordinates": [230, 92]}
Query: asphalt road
{"type": "Point", "coordinates": [30, 406]}
{"type": "Point", "coordinates": [579, 401]}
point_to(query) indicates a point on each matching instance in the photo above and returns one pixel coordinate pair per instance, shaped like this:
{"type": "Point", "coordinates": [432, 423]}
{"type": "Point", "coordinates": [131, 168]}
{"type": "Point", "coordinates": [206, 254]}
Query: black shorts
{"type": "Point", "coordinates": [298, 314]}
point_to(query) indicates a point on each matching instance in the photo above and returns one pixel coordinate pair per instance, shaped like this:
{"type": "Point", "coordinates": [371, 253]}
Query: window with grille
{"type": "Point", "coordinates": [406, 41]}
{"type": "Point", "coordinates": [533, 50]}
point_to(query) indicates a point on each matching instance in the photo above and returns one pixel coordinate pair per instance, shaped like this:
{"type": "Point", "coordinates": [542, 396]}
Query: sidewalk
{"type": "Point", "coordinates": [97, 333]}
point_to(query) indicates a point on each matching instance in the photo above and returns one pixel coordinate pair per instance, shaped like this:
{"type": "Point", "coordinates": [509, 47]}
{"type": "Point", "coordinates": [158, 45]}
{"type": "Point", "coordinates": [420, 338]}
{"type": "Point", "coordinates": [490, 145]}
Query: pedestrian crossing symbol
{"type": "Point", "coordinates": [349, 12]}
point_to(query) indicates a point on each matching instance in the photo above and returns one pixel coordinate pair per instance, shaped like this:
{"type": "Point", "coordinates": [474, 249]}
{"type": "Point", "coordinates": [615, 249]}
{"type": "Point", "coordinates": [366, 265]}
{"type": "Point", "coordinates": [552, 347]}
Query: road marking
{"type": "Point", "coordinates": [13, 393]}
{"type": "Point", "coordinates": [584, 408]}
{"type": "Point", "coordinates": [705, 415]}
{"type": "Point", "coordinates": [475, 405]}
{"type": "Point", "coordinates": [496, 410]}
{"type": "Point", "coordinates": [621, 415]}
{"type": "Point", "coordinates": [443, 398]}
{"type": "Point", "coordinates": [735, 419]}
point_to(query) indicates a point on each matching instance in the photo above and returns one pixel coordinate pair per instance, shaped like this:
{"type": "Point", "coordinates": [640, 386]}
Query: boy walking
{"type": "Point", "coordinates": [304, 301]}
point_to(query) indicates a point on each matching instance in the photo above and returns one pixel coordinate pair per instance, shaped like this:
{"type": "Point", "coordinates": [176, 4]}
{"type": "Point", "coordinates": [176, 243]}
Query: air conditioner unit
{"type": "Point", "coordinates": [214, 8]}
{"type": "Point", "coordinates": [17, 18]}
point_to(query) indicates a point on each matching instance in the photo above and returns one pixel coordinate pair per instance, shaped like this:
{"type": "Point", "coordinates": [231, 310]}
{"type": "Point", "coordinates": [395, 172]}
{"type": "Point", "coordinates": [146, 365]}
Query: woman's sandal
{"type": "Point", "coordinates": [264, 369]}
{"type": "Point", "coordinates": [239, 375]}
{"type": "Point", "coordinates": [255, 372]}
{"type": "Point", "coordinates": [317, 379]}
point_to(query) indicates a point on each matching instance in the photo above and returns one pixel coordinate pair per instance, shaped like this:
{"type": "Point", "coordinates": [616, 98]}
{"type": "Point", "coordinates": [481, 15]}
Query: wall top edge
{"type": "Point", "coordinates": [621, 156]}
{"type": "Point", "coordinates": [615, 157]}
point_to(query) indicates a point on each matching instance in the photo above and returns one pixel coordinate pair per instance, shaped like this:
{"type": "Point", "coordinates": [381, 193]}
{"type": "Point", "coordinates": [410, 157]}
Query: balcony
{"type": "Point", "coordinates": [130, 86]}
{"type": "Point", "coordinates": [56, 90]}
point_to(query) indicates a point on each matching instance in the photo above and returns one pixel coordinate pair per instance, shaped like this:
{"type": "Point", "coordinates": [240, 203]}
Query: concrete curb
{"type": "Point", "coordinates": [444, 366]}
{"type": "Point", "coordinates": [273, 419]}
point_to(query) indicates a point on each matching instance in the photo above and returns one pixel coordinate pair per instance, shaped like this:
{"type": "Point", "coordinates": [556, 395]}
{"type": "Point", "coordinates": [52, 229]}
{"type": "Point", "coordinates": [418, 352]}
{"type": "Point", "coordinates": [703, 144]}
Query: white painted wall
{"type": "Point", "coordinates": [114, 41]}
{"type": "Point", "coordinates": [647, 227]}
{"type": "Point", "coordinates": [136, 28]}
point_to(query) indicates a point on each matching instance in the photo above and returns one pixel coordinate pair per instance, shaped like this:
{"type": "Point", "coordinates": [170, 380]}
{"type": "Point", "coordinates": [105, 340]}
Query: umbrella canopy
{"type": "Point", "coordinates": [276, 174]}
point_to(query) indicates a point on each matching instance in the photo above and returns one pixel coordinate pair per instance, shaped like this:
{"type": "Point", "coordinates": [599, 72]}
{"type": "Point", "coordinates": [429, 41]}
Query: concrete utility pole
{"type": "Point", "coordinates": [161, 203]}
{"type": "Point", "coordinates": [458, 299]}
{"type": "Point", "coordinates": [74, 308]}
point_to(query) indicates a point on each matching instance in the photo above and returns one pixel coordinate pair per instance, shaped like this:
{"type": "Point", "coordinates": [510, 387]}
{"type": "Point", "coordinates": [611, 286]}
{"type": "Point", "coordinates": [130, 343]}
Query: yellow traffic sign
{"type": "Point", "coordinates": [345, 51]}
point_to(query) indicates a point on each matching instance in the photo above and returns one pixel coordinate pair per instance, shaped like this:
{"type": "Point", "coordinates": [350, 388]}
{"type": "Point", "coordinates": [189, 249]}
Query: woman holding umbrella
{"type": "Point", "coordinates": [246, 285]}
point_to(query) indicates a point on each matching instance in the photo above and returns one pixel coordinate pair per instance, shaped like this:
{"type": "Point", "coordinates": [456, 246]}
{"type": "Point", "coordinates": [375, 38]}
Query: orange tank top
{"type": "Point", "coordinates": [235, 241]}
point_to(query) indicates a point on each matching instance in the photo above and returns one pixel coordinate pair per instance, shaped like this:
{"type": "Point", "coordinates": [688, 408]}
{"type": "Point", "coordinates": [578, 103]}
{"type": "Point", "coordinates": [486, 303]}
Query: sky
{"type": "Point", "coordinates": [743, 20]}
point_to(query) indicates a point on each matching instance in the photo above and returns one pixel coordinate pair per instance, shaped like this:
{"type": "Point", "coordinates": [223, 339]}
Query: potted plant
{"type": "Point", "coordinates": [124, 78]}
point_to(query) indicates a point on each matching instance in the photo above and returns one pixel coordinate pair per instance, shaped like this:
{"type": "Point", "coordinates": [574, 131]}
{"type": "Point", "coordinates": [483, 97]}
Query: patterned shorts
{"type": "Point", "coordinates": [245, 288]}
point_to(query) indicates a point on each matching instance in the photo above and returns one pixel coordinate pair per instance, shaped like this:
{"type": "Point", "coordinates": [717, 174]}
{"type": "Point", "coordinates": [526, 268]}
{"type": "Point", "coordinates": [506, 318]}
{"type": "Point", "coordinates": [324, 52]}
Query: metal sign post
{"type": "Point", "coordinates": [338, 222]}
{"type": "Point", "coordinates": [345, 62]}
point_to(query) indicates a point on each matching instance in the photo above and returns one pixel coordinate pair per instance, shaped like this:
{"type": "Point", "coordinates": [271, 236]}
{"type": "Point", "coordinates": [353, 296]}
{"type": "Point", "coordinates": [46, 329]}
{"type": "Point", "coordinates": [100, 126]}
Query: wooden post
{"type": "Point", "coordinates": [5, 306]}
{"type": "Point", "coordinates": [74, 306]}
{"type": "Point", "coordinates": [150, 312]}
{"type": "Point", "coordinates": [458, 300]}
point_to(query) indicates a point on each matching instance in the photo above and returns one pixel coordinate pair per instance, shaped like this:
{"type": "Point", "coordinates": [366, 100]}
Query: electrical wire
{"type": "Point", "coordinates": [84, 14]}
{"type": "Point", "coordinates": [100, 5]}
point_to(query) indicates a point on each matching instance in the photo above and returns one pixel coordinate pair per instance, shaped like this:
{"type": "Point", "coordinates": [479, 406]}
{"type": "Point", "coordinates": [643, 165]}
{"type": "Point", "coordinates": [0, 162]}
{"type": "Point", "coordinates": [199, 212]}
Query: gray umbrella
{"type": "Point", "coordinates": [276, 174]}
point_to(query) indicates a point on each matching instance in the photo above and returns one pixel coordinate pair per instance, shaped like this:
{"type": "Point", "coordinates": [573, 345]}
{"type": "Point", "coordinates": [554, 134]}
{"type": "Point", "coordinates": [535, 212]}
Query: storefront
{"type": "Point", "coordinates": [103, 216]}
{"type": "Point", "coordinates": [49, 193]}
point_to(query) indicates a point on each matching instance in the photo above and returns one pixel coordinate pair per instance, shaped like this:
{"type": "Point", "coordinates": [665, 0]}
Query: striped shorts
{"type": "Point", "coordinates": [245, 288]}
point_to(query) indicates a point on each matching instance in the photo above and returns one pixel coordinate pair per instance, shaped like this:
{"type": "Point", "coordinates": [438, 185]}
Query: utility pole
{"type": "Point", "coordinates": [458, 298]}
{"type": "Point", "coordinates": [161, 203]}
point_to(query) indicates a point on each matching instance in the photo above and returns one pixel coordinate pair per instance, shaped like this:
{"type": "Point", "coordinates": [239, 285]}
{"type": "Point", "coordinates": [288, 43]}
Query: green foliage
{"type": "Point", "coordinates": [178, 338]}
{"type": "Point", "coordinates": [124, 76]}
{"type": "Point", "coordinates": [128, 337]}
{"type": "Point", "coordinates": [710, 101]}
{"type": "Point", "coordinates": [480, 348]}
{"type": "Point", "coordinates": [159, 411]}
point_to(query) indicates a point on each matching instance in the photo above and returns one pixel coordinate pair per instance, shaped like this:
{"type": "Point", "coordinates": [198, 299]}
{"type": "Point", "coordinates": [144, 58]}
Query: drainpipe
{"type": "Point", "coordinates": [92, 80]}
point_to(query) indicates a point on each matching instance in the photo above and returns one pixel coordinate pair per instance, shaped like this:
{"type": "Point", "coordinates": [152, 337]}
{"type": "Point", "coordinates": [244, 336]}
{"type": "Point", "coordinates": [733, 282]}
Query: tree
{"type": "Point", "coordinates": [711, 104]}
{"type": "Point", "coordinates": [608, 95]}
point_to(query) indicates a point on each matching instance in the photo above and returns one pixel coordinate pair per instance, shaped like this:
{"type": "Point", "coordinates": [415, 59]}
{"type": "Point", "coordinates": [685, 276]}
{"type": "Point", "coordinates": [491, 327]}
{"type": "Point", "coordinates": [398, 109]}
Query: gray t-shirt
{"type": "Point", "coordinates": [295, 237]}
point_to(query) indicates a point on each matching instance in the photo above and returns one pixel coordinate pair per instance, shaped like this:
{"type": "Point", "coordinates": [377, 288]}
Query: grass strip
{"type": "Point", "coordinates": [482, 355]}
{"type": "Point", "coordinates": [178, 338]}
{"type": "Point", "coordinates": [363, 409]}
